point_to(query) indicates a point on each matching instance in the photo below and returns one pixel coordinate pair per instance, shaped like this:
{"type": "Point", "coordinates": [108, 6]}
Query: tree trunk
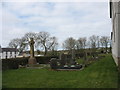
{"type": "Point", "coordinates": [106, 47]}
{"type": "Point", "coordinates": [45, 51]}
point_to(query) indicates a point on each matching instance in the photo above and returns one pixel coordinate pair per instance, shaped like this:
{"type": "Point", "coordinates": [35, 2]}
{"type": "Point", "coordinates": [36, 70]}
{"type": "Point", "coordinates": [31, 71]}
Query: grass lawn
{"type": "Point", "coordinates": [0, 79]}
{"type": "Point", "coordinates": [100, 74]}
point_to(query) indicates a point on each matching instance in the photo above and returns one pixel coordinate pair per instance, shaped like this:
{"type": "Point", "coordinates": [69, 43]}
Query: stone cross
{"type": "Point", "coordinates": [32, 59]}
{"type": "Point", "coordinates": [31, 47]}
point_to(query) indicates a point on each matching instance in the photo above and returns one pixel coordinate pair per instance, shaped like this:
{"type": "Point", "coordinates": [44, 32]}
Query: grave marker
{"type": "Point", "coordinates": [32, 59]}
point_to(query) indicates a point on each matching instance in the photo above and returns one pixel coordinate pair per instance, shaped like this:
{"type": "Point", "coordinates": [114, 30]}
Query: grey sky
{"type": "Point", "coordinates": [61, 19]}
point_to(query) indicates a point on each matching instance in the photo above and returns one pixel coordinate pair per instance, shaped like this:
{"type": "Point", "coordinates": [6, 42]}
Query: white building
{"type": "Point", "coordinates": [8, 53]}
{"type": "Point", "coordinates": [115, 18]}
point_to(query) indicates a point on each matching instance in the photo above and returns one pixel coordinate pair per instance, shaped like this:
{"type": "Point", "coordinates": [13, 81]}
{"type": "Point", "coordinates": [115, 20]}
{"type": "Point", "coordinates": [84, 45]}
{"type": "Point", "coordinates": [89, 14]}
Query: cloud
{"type": "Point", "coordinates": [56, 0]}
{"type": "Point", "coordinates": [0, 22]}
{"type": "Point", "coordinates": [63, 19]}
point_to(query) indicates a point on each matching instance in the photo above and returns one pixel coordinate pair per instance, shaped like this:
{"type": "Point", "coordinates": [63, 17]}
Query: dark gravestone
{"type": "Point", "coordinates": [73, 54]}
{"type": "Point", "coordinates": [63, 59]}
{"type": "Point", "coordinates": [53, 63]}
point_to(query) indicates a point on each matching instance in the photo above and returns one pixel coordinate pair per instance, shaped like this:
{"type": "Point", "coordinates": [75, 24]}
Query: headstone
{"type": "Point", "coordinates": [73, 54]}
{"type": "Point", "coordinates": [32, 59]}
{"type": "Point", "coordinates": [62, 59]}
{"type": "Point", "coordinates": [53, 63]}
{"type": "Point", "coordinates": [60, 56]}
{"type": "Point", "coordinates": [72, 60]}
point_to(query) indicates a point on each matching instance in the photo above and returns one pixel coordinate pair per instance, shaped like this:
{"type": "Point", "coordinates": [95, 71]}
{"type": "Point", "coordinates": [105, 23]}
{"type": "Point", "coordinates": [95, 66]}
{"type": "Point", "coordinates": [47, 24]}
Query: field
{"type": "Point", "coordinates": [100, 74]}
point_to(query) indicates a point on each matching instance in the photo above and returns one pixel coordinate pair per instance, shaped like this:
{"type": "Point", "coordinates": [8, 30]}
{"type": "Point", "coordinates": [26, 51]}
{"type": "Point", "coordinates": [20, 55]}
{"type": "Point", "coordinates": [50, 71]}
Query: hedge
{"type": "Point", "coordinates": [14, 63]}
{"type": "Point", "coordinates": [44, 59]}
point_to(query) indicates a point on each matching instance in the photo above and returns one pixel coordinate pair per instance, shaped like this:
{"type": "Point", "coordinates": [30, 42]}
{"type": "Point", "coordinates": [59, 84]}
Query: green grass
{"type": "Point", "coordinates": [100, 74]}
{"type": "Point", "coordinates": [0, 79]}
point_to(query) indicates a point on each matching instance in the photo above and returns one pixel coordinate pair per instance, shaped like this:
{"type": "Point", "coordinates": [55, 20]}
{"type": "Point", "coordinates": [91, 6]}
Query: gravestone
{"type": "Point", "coordinates": [60, 56]}
{"type": "Point", "coordinates": [32, 59]}
{"type": "Point", "coordinates": [72, 60]}
{"type": "Point", "coordinates": [73, 54]}
{"type": "Point", "coordinates": [62, 59]}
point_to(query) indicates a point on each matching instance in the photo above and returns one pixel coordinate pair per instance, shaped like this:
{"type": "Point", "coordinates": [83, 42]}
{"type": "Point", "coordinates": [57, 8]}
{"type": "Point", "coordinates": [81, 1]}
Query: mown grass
{"type": "Point", "coordinates": [100, 74]}
{"type": "Point", "coordinates": [0, 79]}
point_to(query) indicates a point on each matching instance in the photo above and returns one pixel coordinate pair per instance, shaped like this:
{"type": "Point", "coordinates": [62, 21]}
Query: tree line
{"type": "Point", "coordinates": [44, 41]}
{"type": "Point", "coordinates": [93, 42]}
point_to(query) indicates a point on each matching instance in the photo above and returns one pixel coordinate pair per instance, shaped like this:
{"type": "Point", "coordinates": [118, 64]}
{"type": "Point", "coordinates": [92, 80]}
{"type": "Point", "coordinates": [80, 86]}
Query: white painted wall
{"type": "Point", "coordinates": [116, 31]}
{"type": "Point", "coordinates": [3, 55]}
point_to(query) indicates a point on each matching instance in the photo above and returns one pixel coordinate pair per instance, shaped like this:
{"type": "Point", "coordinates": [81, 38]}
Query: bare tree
{"type": "Point", "coordinates": [54, 46]}
{"type": "Point", "coordinates": [42, 40]}
{"type": "Point", "coordinates": [81, 43]}
{"type": "Point", "coordinates": [69, 44]}
{"type": "Point", "coordinates": [98, 42]}
{"type": "Point", "coordinates": [26, 39]}
{"type": "Point", "coordinates": [102, 42]}
{"type": "Point", "coordinates": [45, 41]}
{"type": "Point", "coordinates": [29, 35]}
{"type": "Point", "coordinates": [15, 43]}
{"type": "Point", "coordinates": [24, 44]}
{"type": "Point", "coordinates": [93, 41]}
{"type": "Point", "coordinates": [105, 40]}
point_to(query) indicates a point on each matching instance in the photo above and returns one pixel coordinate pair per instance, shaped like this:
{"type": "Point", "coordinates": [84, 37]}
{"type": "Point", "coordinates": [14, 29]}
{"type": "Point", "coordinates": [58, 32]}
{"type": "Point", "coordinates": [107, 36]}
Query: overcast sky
{"type": "Point", "coordinates": [60, 19]}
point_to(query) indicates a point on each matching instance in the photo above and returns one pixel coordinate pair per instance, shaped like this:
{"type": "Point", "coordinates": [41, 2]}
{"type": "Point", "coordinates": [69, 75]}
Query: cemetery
{"type": "Point", "coordinates": [52, 72]}
{"type": "Point", "coordinates": [63, 62]}
{"type": "Point", "coordinates": [60, 44]}
{"type": "Point", "coordinates": [96, 75]}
